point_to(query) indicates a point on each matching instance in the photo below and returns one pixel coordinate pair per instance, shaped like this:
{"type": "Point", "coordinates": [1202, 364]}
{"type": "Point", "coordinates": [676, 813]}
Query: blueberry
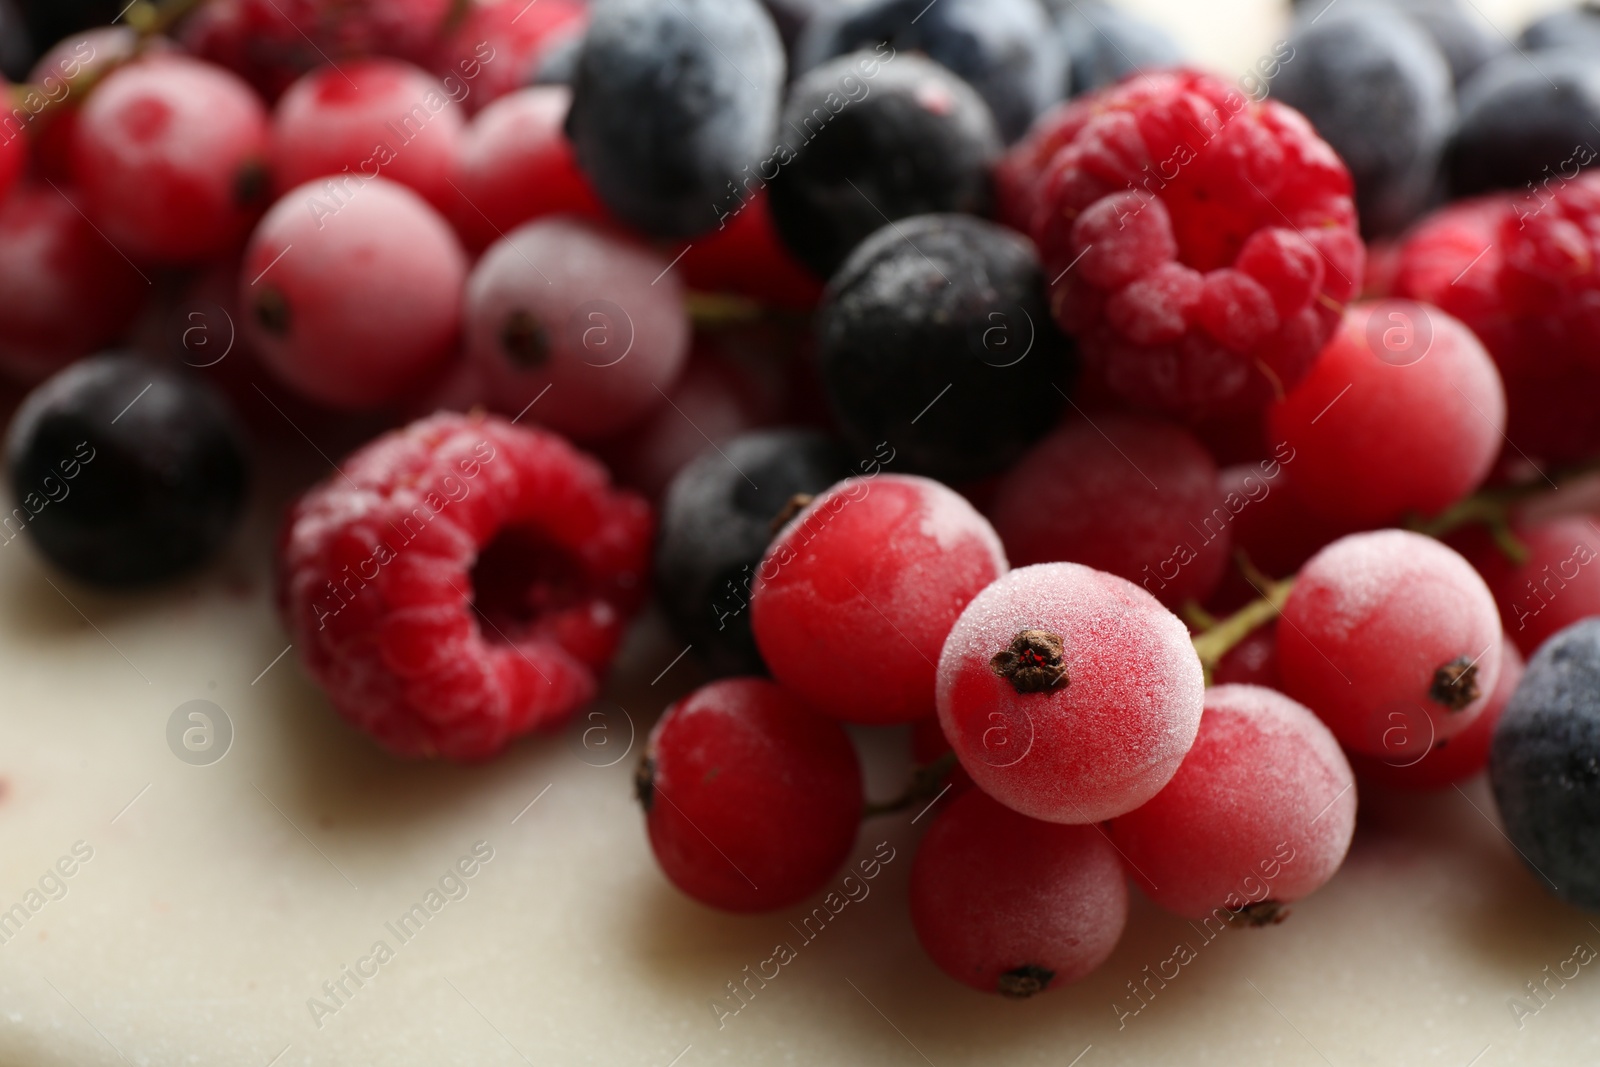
{"type": "Point", "coordinates": [792, 17]}
{"type": "Point", "coordinates": [1002, 48]}
{"type": "Point", "coordinates": [936, 337]}
{"type": "Point", "coordinates": [1104, 44]}
{"type": "Point", "coordinates": [1544, 764]}
{"type": "Point", "coordinates": [716, 521]}
{"type": "Point", "coordinates": [673, 101]}
{"type": "Point", "coordinates": [125, 472]}
{"type": "Point", "coordinates": [876, 136]}
{"type": "Point", "coordinates": [1378, 90]}
{"type": "Point", "coordinates": [557, 64]}
{"type": "Point", "coordinates": [1525, 119]}
{"type": "Point", "coordinates": [1572, 26]}
{"type": "Point", "coordinates": [1466, 38]}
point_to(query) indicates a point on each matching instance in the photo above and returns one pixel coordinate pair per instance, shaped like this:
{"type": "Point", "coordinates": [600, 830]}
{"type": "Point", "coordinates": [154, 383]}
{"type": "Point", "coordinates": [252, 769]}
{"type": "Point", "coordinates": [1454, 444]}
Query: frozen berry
{"type": "Point", "coordinates": [460, 582]}
{"type": "Point", "coordinates": [1106, 43]}
{"type": "Point", "coordinates": [1259, 815]}
{"type": "Point", "coordinates": [1012, 905]}
{"type": "Point", "coordinates": [498, 46]}
{"type": "Point", "coordinates": [1122, 493]}
{"type": "Point", "coordinates": [751, 801]}
{"type": "Point", "coordinates": [744, 256]}
{"type": "Point", "coordinates": [125, 473]}
{"type": "Point", "coordinates": [1525, 121]}
{"type": "Point", "coordinates": [61, 80]}
{"type": "Point", "coordinates": [872, 137]}
{"type": "Point", "coordinates": [1378, 90]}
{"type": "Point", "coordinates": [720, 514]}
{"type": "Point", "coordinates": [1557, 584]}
{"type": "Point", "coordinates": [1576, 26]}
{"type": "Point", "coordinates": [1403, 412]}
{"type": "Point", "coordinates": [935, 336]}
{"type": "Point", "coordinates": [514, 164]}
{"type": "Point", "coordinates": [857, 594]}
{"type": "Point", "coordinates": [368, 118]}
{"type": "Point", "coordinates": [1544, 764]}
{"type": "Point", "coordinates": [1201, 245]}
{"type": "Point", "coordinates": [64, 292]}
{"type": "Point", "coordinates": [1392, 639]}
{"type": "Point", "coordinates": [1455, 759]}
{"type": "Point", "coordinates": [592, 316]}
{"type": "Point", "coordinates": [671, 103]}
{"type": "Point", "coordinates": [1253, 661]}
{"type": "Point", "coordinates": [1002, 48]}
{"type": "Point", "coordinates": [1069, 694]}
{"type": "Point", "coordinates": [170, 153]}
{"type": "Point", "coordinates": [352, 290]}
{"type": "Point", "coordinates": [1464, 36]}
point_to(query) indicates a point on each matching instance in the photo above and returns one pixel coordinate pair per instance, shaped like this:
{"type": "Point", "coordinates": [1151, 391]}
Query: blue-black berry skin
{"type": "Point", "coordinates": [1565, 27]}
{"type": "Point", "coordinates": [936, 337]}
{"type": "Point", "coordinates": [1002, 48]}
{"type": "Point", "coordinates": [1378, 90]}
{"type": "Point", "coordinates": [1525, 119]}
{"type": "Point", "coordinates": [672, 102]}
{"type": "Point", "coordinates": [1463, 35]}
{"type": "Point", "coordinates": [793, 18]}
{"type": "Point", "coordinates": [1544, 764]}
{"type": "Point", "coordinates": [1105, 44]}
{"type": "Point", "coordinates": [717, 520]}
{"type": "Point", "coordinates": [125, 473]}
{"type": "Point", "coordinates": [877, 135]}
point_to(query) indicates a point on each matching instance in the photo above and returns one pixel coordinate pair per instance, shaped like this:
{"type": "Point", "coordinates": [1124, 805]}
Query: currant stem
{"type": "Point", "coordinates": [1220, 639]}
{"type": "Point", "coordinates": [926, 783]}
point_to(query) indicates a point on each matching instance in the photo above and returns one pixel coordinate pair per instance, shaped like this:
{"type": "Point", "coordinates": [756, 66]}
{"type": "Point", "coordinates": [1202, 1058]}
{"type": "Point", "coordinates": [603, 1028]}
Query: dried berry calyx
{"type": "Point", "coordinates": [1032, 662]}
{"type": "Point", "coordinates": [1023, 982]}
{"type": "Point", "coordinates": [1455, 685]}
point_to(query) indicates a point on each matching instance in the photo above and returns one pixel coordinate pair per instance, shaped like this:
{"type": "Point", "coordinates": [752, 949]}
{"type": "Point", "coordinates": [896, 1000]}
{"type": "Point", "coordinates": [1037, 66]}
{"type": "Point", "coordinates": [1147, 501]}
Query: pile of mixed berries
{"type": "Point", "coordinates": [1162, 451]}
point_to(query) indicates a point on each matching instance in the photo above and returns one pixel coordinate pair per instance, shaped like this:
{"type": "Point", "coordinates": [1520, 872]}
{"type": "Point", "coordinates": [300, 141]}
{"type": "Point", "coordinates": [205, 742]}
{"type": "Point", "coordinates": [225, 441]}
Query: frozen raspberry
{"type": "Point", "coordinates": [461, 581]}
{"type": "Point", "coordinates": [1521, 271]}
{"type": "Point", "coordinates": [1217, 238]}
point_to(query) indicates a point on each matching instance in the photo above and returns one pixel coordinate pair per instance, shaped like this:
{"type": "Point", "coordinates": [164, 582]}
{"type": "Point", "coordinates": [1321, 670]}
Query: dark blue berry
{"type": "Point", "coordinates": [125, 472]}
{"type": "Point", "coordinates": [1378, 90]}
{"type": "Point", "coordinates": [672, 102]}
{"type": "Point", "coordinates": [718, 517]}
{"type": "Point", "coordinates": [792, 17]}
{"type": "Point", "coordinates": [1577, 27]}
{"type": "Point", "coordinates": [1104, 44]}
{"type": "Point", "coordinates": [936, 337]}
{"type": "Point", "coordinates": [1544, 764]}
{"type": "Point", "coordinates": [876, 136]}
{"type": "Point", "coordinates": [1002, 48]}
{"type": "Point", "coordinates": [557, 64]}
{"type": "Point", "coordinates": [1467, 39]}
{"type": "Point", "coordinates": [1525, 119]}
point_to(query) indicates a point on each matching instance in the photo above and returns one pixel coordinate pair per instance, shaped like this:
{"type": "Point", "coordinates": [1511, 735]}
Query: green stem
{"type": "Point", "coordinates": [1220, 639]}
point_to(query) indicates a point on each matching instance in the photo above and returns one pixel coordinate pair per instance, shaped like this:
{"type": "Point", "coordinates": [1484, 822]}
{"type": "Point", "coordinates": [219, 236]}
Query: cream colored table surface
{"type": "Point", "coordinates": [217, 900]}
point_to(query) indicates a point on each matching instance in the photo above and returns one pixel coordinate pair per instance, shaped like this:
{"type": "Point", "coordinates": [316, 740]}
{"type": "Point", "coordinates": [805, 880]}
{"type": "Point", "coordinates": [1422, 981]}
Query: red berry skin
{"type": "Point", "coordinates": [857, 593]}
{"type": "Point", "coordinates": [589, 314]}
{"type": "Point", "coordinates": [83, 58]}
{"type": "Point", "coordinates": [1011, 905]}
{"type": "Point", "coordinates": [13, 153]}
{"type": "Point", "coordinates": [515, 164]}
{"type": "Point", "coordinates": [352, 300]}
{"type": "Point", "coordinates": [497, 47]}
{"type": "Point", "coordinates": [1130, 495]}
{"type": "Point", "coordinates": [170, 153]}
{"type": "Point", "coordinates": [1261, 813]}
{"type": "Point", "coordinates": [460, 582]}
{"type": "Point", "coordinates": [64, 292]}
{"type": "Point", "coordinates": [369, 118]}
{"type": "Point", "coordinates": [745, 256]}
{"type": "Point", "coordinates": [1402, 412]}
{"type": "Point", "coordinates": [1460, 757]}
{"type": "Point", "coordinates": [752, 802]}
{"type": "Point", "coordinates": [1558, 584]}
{"type": "Point", "coordinates": [1205, 242]}
{"type": "Point", "coordinates": [1109, 732]}
{"type": "Point", "coordinates": [1253, 661]}
{"type": "Point", "coordinates": [1392, 639]}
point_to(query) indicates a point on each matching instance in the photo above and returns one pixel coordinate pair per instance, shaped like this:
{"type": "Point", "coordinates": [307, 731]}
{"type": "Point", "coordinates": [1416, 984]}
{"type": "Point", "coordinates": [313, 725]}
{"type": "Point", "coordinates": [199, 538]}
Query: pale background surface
{"type": "Point", "coordinates": [222, 898]}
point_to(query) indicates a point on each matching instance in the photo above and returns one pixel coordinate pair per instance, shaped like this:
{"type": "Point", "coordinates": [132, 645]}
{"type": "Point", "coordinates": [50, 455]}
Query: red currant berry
{"type": "Point", "coordinates": [744, 255]}
{"type": "Point", "coordinates": [856, 595]}
{"type": "Point", "coordinates": [591, 316]}
{"type": "Point", "coordinates": [1393, 640]}
{"type": "Point", "coordinates": [1133, 496]}
{"type": "Point", "coordinates": [368, 118]}
{"type": "Point", "coordinates": [1402, 412]}
{"type": "Point", "coordinates": [751, 802]}
{"type": "Point", "coordinates": [1253, 661]}
{"type": "Point", "coordinates": [1260, 814]}
{"type": "Point", "coordinates": [498, 44]}
{"type": "Point", "coordinates": [1012, 905]}
{"type": "Point", "coordinates": [170, 153]}
{"type": "Point", "coordinates": [352, 299]}
{"type": "Point", "coordinates": [1558, 583]}
{"type": "Point", "coordinates": [63, 75]}
{"type": "Point", "coordinates": [1069, 694]}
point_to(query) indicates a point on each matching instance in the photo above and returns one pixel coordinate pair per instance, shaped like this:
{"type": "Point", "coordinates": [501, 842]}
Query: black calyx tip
{"type": "Point", "coordinates": [644, 783]}
{"type": "Point", "coordinates": [1020, 983]}
{"type": "Point", "coordinates": [1261, 913]}
{"type": "Point", "coordinates": [272, 311]}
{"type": "Point", "coordinates": [1032, 662]}
{"type": "Point", "coordinates": [251, 184]}
{"type": "Point", "coordinates": [1455, 685]}
{"type": "Point", "coordinates": [525, 340]}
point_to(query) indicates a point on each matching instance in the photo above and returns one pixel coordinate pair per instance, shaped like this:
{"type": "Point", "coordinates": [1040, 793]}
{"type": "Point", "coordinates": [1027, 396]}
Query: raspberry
{"type": "Point", "coordinates": [387, 568]}
{"type": "Point", "coordinates": [1217, 235]}
{"type": "Point", "coordinates": [1523, 272]}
